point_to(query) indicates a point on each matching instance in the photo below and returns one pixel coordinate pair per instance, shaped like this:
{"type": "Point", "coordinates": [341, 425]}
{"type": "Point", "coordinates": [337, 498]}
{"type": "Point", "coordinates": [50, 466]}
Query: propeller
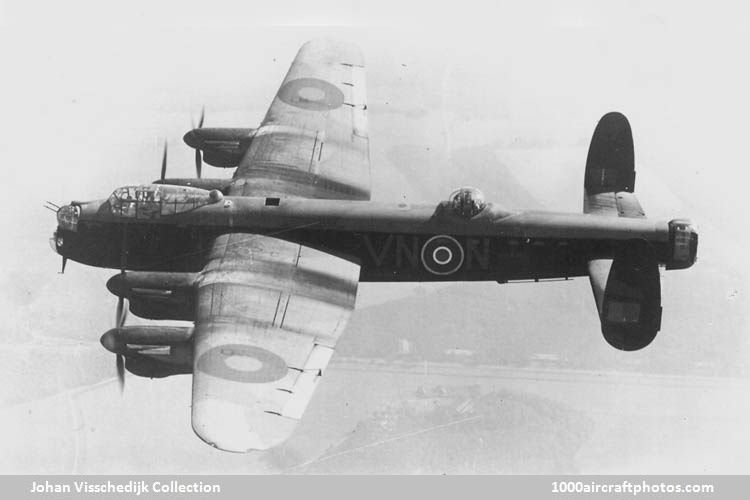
{"type": "Point", "coordinates": [120, 315]}
{"type": "Point", "coordinates": [164, 162]}
{"type": "Point", "coordinates": [200, 120]}
{"type": "Point", "coordinates": [198, 156]}
{"type": "Point", "coordinates": [122, 311]}
{"type": "Point", "coordinates": [121, 372]}
{"type": "Point", "coordinates": [198, 163]}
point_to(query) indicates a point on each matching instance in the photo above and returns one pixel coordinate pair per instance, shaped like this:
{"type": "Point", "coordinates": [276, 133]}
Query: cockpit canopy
{"type": "Point", "coordinates": [156, 200]}
{"type": "Point", "coordinates": [467, 202]}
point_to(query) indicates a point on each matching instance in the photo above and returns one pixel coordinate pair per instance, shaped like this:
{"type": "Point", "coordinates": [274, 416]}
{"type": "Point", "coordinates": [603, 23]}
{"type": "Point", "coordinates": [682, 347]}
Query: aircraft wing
{"type": "Point", "coordinates": [269, 312]}
{"type": "Point", "coordinates": [313, 141]}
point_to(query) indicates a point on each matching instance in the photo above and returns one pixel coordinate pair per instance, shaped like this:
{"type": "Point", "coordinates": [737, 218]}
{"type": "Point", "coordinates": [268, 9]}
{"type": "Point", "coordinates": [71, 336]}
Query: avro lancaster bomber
{"type": "Point", "coordinates": [266, 264]}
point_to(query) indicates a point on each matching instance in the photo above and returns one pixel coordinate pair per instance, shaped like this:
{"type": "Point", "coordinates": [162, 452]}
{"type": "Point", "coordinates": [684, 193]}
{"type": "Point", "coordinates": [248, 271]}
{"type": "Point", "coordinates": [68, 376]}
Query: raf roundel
{"type": "Point", "coordinates": [313, 94]}
{"type": "Point", "coordinates": [442, 255]}
{"type": "Point", "coordinates": [242, 363]}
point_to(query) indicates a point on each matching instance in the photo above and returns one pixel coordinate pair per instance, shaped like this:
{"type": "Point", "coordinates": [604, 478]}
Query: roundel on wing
{"type": "Point", "coordinates": [311, 93]}
{"type": "Point", "coordinates": [442, 255]}
{"type": "Point", "coordinates": [242, 363]}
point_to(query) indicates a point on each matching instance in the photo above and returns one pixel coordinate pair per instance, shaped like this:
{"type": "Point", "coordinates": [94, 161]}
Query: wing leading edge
{"type": "Point", "coordinates": [269, 312]}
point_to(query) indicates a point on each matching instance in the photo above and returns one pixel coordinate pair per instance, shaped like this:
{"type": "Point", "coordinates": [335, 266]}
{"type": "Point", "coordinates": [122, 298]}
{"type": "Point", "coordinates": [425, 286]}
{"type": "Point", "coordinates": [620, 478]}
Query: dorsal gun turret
{"type": "Point", "coordinates": [467, 202]}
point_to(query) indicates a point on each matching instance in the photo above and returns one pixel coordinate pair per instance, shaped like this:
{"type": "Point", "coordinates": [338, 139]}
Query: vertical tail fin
{"type": "Point", "coordinates": [610, 170]}
{"type": "Point", "coordinates": [610, 166]}
{"type": "Point", "coordinates": [626, 287]}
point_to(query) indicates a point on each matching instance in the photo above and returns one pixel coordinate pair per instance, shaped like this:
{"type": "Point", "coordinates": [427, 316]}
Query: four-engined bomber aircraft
{"type": "Point", "coordinates": [267, 264]}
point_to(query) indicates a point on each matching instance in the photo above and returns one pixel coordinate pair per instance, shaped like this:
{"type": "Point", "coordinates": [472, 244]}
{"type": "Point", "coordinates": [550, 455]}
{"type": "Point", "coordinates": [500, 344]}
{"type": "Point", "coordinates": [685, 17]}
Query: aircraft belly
{"type": "Point", "coordinates": [383, 256]}
{"type": "Point", "coordinates": [140, 247]}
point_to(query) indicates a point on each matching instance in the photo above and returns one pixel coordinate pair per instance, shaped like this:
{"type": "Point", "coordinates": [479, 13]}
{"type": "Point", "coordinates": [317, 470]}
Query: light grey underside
{"type": "Point", "coordinates": [269, 312]}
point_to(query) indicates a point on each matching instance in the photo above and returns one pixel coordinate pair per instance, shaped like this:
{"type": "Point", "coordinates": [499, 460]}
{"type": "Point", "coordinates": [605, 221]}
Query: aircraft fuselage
{"type": "Point", "coordinates": [389, 242]}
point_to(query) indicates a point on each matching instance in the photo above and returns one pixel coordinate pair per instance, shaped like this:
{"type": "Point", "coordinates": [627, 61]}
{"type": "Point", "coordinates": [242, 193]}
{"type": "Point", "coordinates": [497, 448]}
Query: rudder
{"type": "Point", "coordinates": [610, 165]}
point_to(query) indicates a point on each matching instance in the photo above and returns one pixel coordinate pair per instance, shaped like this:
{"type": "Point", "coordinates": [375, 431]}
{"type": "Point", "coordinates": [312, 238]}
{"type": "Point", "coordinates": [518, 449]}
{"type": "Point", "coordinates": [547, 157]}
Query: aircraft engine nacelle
{"type": "Point", "coordinates": [152, 351]}
{"type": "Point", "coordinates": [150, 368]}
{"type": "Point", "coordinates": [176, 307]}
{"type": "Point", "coordinates": [155, 295]}
{"type": "Point", "coordinates": [627, 291]}
{"type": "Point", "coordinates": [222, 147]}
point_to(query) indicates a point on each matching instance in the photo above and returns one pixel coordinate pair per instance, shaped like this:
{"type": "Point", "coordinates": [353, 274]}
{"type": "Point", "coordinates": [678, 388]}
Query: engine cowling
{"type": "Point", "coordinates": [222, 147]}
{"type": "Point", "coordinates": [152, 351]}
{"type": "Point", "coordinates": [150, 368]}
{"type": "Point", "coordinates": [156, 295]}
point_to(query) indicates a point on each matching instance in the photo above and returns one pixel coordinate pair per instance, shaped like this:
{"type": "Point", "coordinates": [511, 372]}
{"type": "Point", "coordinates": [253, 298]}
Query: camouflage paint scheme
{"type": "Point", "coordinates": [267, 264]}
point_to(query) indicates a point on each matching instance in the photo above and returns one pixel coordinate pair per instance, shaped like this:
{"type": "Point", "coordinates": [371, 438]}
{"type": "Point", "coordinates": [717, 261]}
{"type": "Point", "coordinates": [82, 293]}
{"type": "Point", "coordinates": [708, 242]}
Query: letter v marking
{"type": "Point", "coordinates": [378, 257]}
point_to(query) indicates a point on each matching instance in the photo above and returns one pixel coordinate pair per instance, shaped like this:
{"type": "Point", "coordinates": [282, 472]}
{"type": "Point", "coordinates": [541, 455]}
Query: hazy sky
{"type": "Point", "coordinates": [503, 96]}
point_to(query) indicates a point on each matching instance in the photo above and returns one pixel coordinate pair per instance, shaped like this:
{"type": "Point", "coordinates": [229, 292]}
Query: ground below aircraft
{"type": "Point", "coordinates": [267, 264]}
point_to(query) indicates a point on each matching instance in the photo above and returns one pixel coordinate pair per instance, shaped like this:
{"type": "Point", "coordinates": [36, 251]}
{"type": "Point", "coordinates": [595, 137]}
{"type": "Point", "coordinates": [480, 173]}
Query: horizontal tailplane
{"type": "Point", "coordinates": [627, 291]}
{"type": "Point", "coordinates": [627, 287]}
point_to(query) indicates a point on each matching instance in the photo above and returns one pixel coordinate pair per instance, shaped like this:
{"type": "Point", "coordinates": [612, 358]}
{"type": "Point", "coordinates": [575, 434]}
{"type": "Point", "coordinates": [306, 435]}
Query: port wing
{"type": "Point", "coordinates": [269, 312]}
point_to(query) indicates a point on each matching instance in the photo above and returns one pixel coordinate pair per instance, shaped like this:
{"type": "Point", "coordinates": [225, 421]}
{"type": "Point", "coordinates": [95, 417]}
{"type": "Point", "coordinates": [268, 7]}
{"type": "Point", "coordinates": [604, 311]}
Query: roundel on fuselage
{"type": "Point", "coordinates": [442, 255]}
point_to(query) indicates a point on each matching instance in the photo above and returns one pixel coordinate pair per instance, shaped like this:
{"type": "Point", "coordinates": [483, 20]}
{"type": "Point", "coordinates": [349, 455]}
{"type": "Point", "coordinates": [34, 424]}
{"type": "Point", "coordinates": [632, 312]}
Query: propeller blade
{"type": "Point", "coordinates": [118, 312]}
{"type": "Point", "coordinates": [198, 162]}
{"type": "Point", "coordinates": [121, 314]}
{"type": "Point", "coordinates": [200, 120]}
{"type": "Point", "coordinates": [64, 261]}
{"type": "Point", "coordinates": [164, 162]}
{"type": "Point", "coordinates": [120, 371]}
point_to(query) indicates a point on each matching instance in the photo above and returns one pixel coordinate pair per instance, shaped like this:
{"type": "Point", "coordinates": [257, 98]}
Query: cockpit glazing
{"type": "Point", "coordinates": [156, 200]}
